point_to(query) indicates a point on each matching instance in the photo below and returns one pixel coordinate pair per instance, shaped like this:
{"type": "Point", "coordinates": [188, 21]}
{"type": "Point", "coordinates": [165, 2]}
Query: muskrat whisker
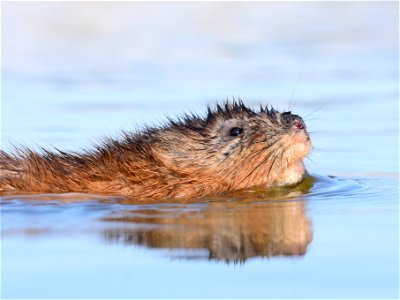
{"type": "Point", "coordinates": [262, 141]}
{"type": "Point", "coordinates": [317, 109]}
{"type": "Point", "coordinates": [316, 132]}
{"type": "Point", "coordinates": [311, 160]}
{"type": "Point", "coordinates": [257, 154]}
{"type": "Point", "coordinates": [274, 160]}
{"type": "Point", "coordinates": [291, 99]}
{"type": "Point", "coordinates": [259, 165]}
{"type": "Point", "coordinates": [318, 149]}
{"type": "Point", "coordinates": [251, 172]}
{"type": "Point", "coordinates": [312, 119]}
{"type": "Point", "coordinates": [262, 149]}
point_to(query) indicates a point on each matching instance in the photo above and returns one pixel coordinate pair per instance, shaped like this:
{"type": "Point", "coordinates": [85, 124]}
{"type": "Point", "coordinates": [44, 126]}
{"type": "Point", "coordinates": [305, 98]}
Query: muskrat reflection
{"type": "Point", "coordinates": [231, 232]}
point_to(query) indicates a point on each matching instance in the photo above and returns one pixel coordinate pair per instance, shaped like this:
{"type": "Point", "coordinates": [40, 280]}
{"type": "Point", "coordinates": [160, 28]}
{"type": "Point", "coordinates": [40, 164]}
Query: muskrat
{"type": "Point", "coordinates": [233, 147]}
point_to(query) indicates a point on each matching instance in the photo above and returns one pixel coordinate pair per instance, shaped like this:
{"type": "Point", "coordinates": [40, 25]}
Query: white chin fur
{"type": "Point", "coordinates": [293, 174]}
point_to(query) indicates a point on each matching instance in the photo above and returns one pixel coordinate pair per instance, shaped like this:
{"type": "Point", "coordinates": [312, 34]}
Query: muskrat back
{"type": "Point", "coordinates": [233, 147]}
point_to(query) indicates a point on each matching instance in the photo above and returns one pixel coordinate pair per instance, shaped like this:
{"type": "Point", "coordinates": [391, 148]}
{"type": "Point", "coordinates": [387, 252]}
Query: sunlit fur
{"type": "Point", "coordinates": [190, 156]}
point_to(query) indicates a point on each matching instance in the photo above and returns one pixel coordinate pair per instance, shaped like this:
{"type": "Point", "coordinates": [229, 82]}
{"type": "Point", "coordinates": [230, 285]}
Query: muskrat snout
{"type": "Point", "coordinates": [299, 124]}
{"type": "Point", "coordinates": [298, 139]}
{"type": "Point", "coordinates": [292, 121]}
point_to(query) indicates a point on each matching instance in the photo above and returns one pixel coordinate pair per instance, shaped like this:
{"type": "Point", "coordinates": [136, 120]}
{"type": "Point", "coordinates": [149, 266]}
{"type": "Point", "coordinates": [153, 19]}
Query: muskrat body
{"type": "Point", "coordinates": [233, 147]}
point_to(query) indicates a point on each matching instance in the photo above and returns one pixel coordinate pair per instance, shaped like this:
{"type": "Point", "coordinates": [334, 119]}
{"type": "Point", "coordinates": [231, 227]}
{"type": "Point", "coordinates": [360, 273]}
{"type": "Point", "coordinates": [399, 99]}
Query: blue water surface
{"type": "Point", "coordinates": [73, 72]}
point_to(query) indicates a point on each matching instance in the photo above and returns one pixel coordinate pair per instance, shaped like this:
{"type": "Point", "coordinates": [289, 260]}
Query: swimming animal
{"type": "Point", "coordinates": [232, 147]}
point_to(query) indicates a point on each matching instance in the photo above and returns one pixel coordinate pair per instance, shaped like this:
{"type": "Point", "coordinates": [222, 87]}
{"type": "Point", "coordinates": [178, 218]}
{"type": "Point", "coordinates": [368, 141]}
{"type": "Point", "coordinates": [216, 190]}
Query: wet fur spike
{"type": "Point", "coordinates": [228, 109]}
{"type": "Point", "coordinates": [188, 156]}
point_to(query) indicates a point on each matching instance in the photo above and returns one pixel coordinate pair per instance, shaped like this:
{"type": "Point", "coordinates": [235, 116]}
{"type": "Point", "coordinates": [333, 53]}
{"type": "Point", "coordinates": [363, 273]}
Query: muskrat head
{"type": "Point", "coordinates": [238, 146]}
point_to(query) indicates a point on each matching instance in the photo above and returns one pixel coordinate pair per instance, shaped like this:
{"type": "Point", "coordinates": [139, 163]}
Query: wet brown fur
{"type": "Point", "coordinates": [191, 156]}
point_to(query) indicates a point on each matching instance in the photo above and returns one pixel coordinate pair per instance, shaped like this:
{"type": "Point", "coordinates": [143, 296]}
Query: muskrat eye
{"type": "Point", "coordinates": [235, 131]}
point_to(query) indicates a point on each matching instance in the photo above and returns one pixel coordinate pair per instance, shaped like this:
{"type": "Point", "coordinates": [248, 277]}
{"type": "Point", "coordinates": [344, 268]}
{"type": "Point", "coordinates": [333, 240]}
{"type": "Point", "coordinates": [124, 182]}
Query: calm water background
{"type": "Point", "coordinates": [74, 72]}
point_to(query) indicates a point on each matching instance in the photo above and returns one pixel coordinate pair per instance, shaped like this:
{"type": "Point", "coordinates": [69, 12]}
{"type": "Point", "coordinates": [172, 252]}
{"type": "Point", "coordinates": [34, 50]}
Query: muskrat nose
{"type": "Point", "coordinates": [298, 124]}
{"type": "Point", "coordinates": [293, 121]}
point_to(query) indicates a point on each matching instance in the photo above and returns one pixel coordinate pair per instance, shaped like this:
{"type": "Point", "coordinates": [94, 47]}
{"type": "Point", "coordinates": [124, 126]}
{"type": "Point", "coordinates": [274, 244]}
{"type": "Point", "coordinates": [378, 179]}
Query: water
{"type": "Point", "coordinates": [73, 72]}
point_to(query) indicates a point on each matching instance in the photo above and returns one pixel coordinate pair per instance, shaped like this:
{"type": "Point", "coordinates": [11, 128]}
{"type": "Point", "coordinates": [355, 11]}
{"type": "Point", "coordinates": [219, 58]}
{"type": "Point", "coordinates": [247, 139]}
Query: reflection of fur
{"type": "Point", "coordinates": [191, 157]}
{"type": "Point", "coordinates": [234, 232]}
